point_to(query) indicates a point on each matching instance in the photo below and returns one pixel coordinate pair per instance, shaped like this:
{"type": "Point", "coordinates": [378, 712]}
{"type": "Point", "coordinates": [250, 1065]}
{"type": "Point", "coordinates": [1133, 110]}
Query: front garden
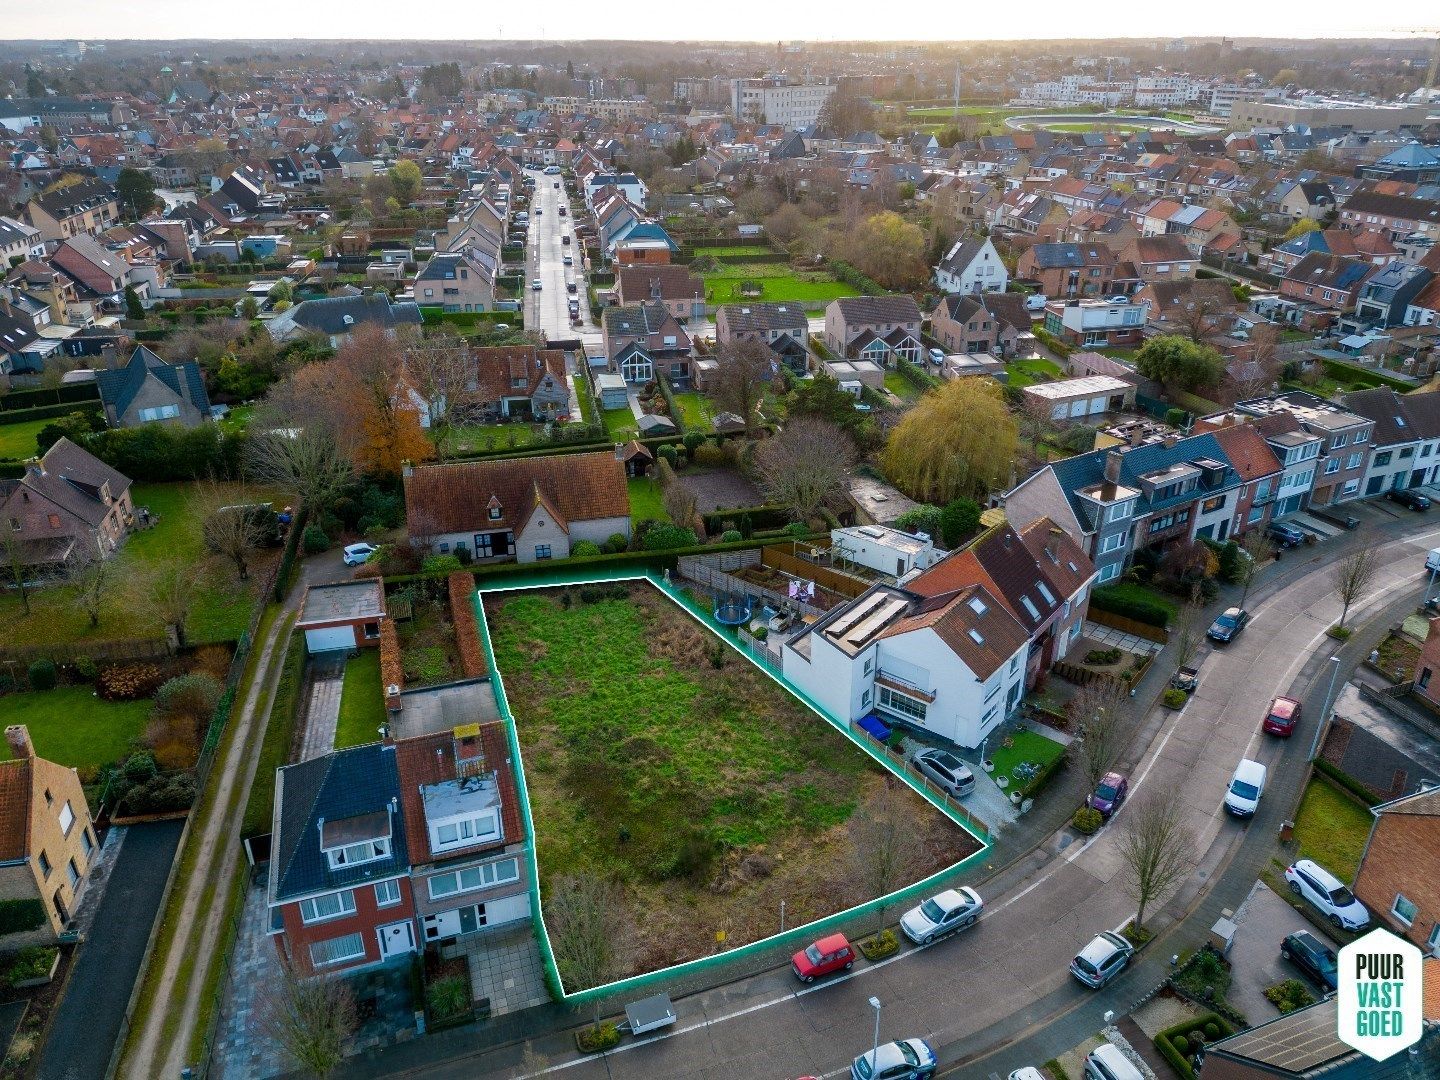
{"type": "Point", "coordinates": [1331, 827]}
{"type": "Point", "coordinates": [657, 758]}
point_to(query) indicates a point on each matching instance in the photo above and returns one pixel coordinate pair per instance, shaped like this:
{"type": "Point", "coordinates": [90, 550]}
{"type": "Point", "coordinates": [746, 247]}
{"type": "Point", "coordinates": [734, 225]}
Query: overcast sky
{"type": "Point", "coordinates": [766, 20]}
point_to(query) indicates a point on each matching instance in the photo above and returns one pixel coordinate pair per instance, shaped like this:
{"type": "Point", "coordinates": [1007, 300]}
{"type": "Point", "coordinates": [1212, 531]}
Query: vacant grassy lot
{"type": "Point", "coordinates": [1331, 828]}
{"type": "Point", "coordinates": [645, 500]}
{"type": "Point", "coordinates": [222, 601]}
{"type": "Point", "coordinates": [1029, 372]}
{"type": "Point", "coordinates": [362, 707]}
{"type": "Point", "coordinates": [71, 726]}
{"type": "Point", "coordinates": [777, 283]}
{"type": "Point", "coordinates": [18, 440]}
{"type": "Point", "coordinates": [707, 790]}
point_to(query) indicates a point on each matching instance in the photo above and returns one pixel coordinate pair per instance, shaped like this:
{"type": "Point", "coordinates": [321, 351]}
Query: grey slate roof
{"type": "Point", "coordinates": [71, 478]}
{"type": "Point", "coordinates": [118, 386]}
{"type": "Point", "coordinates": [1085, 470]}
{"type": "Point", "coordinates": [327, 314]}
{"type": "Point", "coordinates": [339, 785]}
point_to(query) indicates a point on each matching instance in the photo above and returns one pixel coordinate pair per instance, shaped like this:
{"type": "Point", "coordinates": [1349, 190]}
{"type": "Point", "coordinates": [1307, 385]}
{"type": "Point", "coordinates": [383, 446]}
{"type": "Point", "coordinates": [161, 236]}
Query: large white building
{"type": "Point", "coordinates": [773, 100]}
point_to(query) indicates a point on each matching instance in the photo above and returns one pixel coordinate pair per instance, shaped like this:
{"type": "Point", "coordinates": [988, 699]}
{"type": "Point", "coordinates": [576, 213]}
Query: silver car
{"type": "Point", "coordinates": [943, 913]}
{"type": "Point", "coordinates": [947, 770]}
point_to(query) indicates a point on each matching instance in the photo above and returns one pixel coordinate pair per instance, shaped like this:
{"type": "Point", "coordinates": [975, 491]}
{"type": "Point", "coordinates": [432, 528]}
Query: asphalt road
{"type": "Point", "coordinates": [548, 309]}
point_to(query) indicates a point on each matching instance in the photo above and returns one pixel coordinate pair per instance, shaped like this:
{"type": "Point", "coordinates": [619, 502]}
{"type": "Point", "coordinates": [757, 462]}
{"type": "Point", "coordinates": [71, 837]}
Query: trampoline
{"type": "Point", "coordinates": [732, 610]}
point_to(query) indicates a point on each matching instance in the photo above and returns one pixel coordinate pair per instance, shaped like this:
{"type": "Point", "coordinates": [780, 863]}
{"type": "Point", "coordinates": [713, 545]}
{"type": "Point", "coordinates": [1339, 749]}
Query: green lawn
{"type": "Point", "coordinates": [279, 733]}
{"type": "Point", "coordinates": [1028, 372]}
{"type": "Point", "coordinates": [222, 602]}
{"type": "Point", "coordinates": [645, 501]}
{"type": "Point", "coordinates": [472, 437]}
{"type": "Point", "coordinates": [18, 440]}
{"type": "Point", "coordinates": [620, 423]}
{"type": "Point", "coordinates": [900, 386]}
{"type": "Point", "coordinates": [1027, 746]}
{"type": "Point", "coordinates": [1331, 828]}
{"type": "Point", "coordinates": [695, 411]}
{"type": "Point", "coordinates": [1099, 125]}
{"type": "Point", "coordinates": [237, 419]}
{"type": "Point", "coordinates": [71, 726]}
{"type": "Point", "coordinates": [777, 283]}
{"type": "Point", "coordinates": [362, 705]}
{"type": "Point", "coordinates": [945, 112]}
{"type": "Point", "coordinates": [732, 249]}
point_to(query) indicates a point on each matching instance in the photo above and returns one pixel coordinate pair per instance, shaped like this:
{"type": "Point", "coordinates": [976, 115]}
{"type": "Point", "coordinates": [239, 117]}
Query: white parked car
{"type": "Point", "coordinates": [1242, 797]}
{"type": "Point", "coordinates": [937, 356]}
{"type": "Point", "coordinates": [356, 554]}
{"type": "Point", "coordinates": [1328, 894]}
{"type": "Point", "coordinates": [1108, 1062]}
{"type": "Point", "coordinates": [943, 913]}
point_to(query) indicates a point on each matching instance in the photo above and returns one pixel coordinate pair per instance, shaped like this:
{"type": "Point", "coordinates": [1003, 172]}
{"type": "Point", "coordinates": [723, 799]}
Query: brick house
{"type": "Point", "coordinates": [963, 325]}
{"type": "Point", "coordinates": [1427, 685]}
{"type": "Point", "coordinates": [1160, 258]}
{"type": "Point", "coordinates": [339, 880]}
{"type": "Point", "coordinates": [527, 509]}
{"type": "Point", "coordinates": [681, 292]}
{"type": "Point", "coordinates": [874, 328]}
{"type": "Point", "coordinates": [522, 379]}
{"type": "Point", "coordinates": [1094, 323]}
{"type": "Point", "coordinates": [645, 340]}
{"type": "Point", "coordinates": [467, 841]}
{"type": "Point", "coordinates": [1393, 215]}
{"type": "Point", "coordinates": [68, 504]}
{"type": "Point", "coordinates": [1068, 270]}
{"type": "Point", "coordinates": [1325, 282]}
{"type": "Point", "coordinates": [1399, 875]}
{"type": "Point", "coordinates": [457, 281]}
{"type": "Point", "coordinates": [46, 842]}
{"type": "Point", "coordinates": [785, 328]}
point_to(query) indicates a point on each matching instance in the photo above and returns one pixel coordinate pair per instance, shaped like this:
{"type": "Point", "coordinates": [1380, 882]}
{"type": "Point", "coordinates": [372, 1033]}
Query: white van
{"type": "Point", "coordinates": [1432, 560]}
{"type": "Point", "coordinates": [1242, 797]}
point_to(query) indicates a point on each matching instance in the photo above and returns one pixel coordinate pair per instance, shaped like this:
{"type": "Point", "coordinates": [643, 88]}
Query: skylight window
{"type": "Point", "coordinates": [978, 606]}
{"type": "Point", "coordinates": [975, 637]}
{"type": "Point", "coordinates": [1045, 592]}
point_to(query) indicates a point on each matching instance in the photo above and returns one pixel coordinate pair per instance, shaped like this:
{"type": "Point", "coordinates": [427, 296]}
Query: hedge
{"type": "Point", "coordinates": [17, 400]}
{"type": "Point", "coordinates": [1173, 1057]}
{"type": "Point", "coordinates": [18, 916]}
{"type": "Point", "coordinates": [843, 271]}
{"type": "Point", "coordinates": [48, 412]}
{"type": "Point", "coordinates": [916, 376]}
{"type": "Point", "coordinates": [1152, 613]}
{"type": "Point", "coordinates": [771, 516]}
{"type": "Point", "coordinates": [1356, 375]}
{"type": "Point", "coordinates": [1346, 781]}
{"type": "Point", "coordinates": [669, 395]}
{"type": "Point", "coordinates": [431, 316]}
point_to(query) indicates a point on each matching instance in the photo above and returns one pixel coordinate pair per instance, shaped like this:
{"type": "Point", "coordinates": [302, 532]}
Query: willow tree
{"type": "Point", "coordinates": [957, 441]}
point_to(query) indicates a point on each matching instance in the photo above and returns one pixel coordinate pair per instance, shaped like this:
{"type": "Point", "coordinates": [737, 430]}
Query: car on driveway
{"type": "Point", "coordinates": [1327, 894]}
{"type": "Point", "coordinates": [903, 1059]}
{"type": "Point", "coordinates": [1283, 715]}
{"type": "Point", "coordinates": [1285, 534]}
{"type": "Point", "coordinates": [356, 554]}
{"type": "Point", "coordinates": [1108, 1062]}
{"type": "Point", "coordinates": [1109, 793]}
{"type": "Point", "coordinates": [947, 770]}
{"type": "Point", "coordinates": [1228, 626]}
{"type": "Point", "coordinates": [1313, 957]}
{"type": "Point", "coordinates": [1101, 960]}
{"type": "Point", "coordinates": [1411, 500]}
{"type": "Point", "coordinates": [943, 913]}
{"type": "Point", "coordinates": [824, 957]}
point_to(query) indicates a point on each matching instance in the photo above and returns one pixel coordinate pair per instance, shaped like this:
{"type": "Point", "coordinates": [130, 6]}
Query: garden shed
{"type": "Point", "coordinates": [345, 615]}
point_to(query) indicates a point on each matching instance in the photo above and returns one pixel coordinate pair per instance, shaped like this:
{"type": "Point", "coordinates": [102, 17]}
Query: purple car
{"type": "Point", "coordinates": [1109, 793]}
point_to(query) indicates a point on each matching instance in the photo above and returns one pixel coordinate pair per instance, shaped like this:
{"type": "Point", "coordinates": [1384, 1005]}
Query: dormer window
{"type": "Point", "coordinates": [355, 854]}
{"type": "Point", "coordinates": [494, 509]}
{"type": "Point", "coordinates": [463, 832]}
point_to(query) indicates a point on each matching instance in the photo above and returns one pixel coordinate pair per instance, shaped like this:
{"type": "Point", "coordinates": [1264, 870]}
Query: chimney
{"type": "Point", "coordinates": [18, 736]}
{"type": "Point", "coordinates": [469, 752]}
{"type": "Point", "coordinates": [1171, 440]}
{"type": "Point", "coordinates": [1113, 461]}
{"type": "Point", "coordinates": [1052, 542]}
{"type": "Point", "coordinates": [1137, 434]}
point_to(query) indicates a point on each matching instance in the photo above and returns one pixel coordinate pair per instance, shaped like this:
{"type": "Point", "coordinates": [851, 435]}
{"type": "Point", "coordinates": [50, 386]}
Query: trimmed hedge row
{"type": "Point", "coordinates": [20, 400]}
{"type": "Point", "coordinates": [843, 271]}
{"type": "Point", "coordinates": [49, 412]}
{"type": "Point", "coordinates": [1357, 376]}
{"type": "Point", "coordinates": [769, 516]}
{"type": "Point", "coordinates": [1151, 613]}
{"type": "Point", "coordinates": [1165, 1040]}
{"type": "Point", "coordinates": [1346, 781]}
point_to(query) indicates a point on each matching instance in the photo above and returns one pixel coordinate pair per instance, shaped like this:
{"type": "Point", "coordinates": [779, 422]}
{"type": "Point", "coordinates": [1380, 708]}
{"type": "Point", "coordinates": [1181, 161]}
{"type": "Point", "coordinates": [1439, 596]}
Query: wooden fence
{"type": "Point", "coordinates": [122, 651]}
{"type": "Point", "coordinates": [1128, 625]}
{"type": "Point", "coordinates": [833, 580]}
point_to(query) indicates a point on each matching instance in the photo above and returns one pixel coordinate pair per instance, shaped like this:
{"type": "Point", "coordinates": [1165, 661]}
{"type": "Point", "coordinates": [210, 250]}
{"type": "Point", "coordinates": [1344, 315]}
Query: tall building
{"type": "Point", "coordinates": [773, 100]}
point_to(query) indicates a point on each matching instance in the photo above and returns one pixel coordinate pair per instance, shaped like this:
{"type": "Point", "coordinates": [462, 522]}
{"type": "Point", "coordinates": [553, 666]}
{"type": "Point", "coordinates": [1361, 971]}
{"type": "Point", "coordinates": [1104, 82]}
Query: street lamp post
{"type": "Point", "coordinates": [1325, 711]}
{"type": "Point", "coordinates": [875, 1045]}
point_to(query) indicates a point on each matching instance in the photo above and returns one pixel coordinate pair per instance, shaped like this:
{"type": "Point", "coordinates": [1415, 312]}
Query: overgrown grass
{"type": "Point", "coordinates": [776, 282]}
{"type": "Point", "coordinates": [1026, 746]}
{"type": "Point", "coordinates": [1331, 828]}
{"type": "Point", "coordinates": [645, 500]}
{"type": "Point", "coordinates": [362, 706]}
{"type": "Point", "coordinates": [18, 440]}
{"type": "Point", "coordinates": [71, 726]}
{"type": "Point", "coordinates": [279, 735]}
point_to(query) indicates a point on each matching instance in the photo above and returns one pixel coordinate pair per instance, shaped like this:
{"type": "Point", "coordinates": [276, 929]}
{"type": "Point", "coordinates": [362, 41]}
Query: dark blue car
{"type": "Point", "coordinates": [1313, 957]}
{"type": "Point", "coordinates": [1285, 534]}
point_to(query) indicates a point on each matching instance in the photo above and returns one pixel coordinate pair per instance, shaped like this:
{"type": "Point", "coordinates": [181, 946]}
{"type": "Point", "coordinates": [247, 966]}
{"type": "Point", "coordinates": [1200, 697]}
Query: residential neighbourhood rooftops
{"type": "Point", "coordinates": [428, 763]}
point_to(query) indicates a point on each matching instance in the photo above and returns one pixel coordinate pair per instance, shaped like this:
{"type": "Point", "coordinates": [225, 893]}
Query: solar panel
{"type": "Point", "coordinates": [1297, 1042]}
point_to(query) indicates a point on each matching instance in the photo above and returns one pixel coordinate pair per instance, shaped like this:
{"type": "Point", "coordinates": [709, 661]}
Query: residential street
{"type": "Point", "coordinates": [1031, 1008]}
{"type": "Point", "coordinates": [548, 309]}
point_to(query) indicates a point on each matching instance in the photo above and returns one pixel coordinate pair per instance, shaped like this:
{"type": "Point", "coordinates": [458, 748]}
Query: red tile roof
{"type": "Point", "coordinates": [430, 759]}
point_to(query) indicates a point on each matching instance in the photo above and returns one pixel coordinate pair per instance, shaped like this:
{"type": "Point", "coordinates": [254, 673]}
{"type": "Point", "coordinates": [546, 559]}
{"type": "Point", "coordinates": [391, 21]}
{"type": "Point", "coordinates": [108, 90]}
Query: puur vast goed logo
{"type": "Point", "coordinates": [1380, 1007]}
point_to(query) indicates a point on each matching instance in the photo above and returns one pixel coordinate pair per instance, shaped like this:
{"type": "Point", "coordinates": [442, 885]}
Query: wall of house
{"type": "Point", "coordinates": [598, 530]}
{"type": "Point", "coordinates": [1403, 856]}
{"type": "Point", "coordinates": [961, 712]}
{"type": "Point", "coordinates": [831, 679]}
{"type": "Point", "coordinates": [1207, 523]}
{"type": "Point", "coordinates": [503, 901]}
{"type": "Point", "coordinates": [368, 918]}
{"type": "Point", "coordinates": [542, 530]}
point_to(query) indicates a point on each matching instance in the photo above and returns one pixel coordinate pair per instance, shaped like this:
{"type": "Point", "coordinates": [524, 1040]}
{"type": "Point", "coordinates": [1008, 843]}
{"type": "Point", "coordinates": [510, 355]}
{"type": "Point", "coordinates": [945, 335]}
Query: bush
{"type": "Point", "coordinates": [924, 519]}
{"type": "Point", "coordinates": [798, 529]}
{"type": "Point", "coordinates": [85, 669]}
{"type": "Point", "coordinates": [693, 440]}
{"type": "Point", "coordinates": [1177, 1043]}
{"type": "Point", "coordinates": [1340, 633]}
{"type": "Point", "coordinates": [32, 962]}
{"type": "Point", "coordinates": [958, 520]}
{"type": "Point", "coordinates": [1173, 698]}
{"type": "Point", "coordinates": [879, 946]}
{"type": "Point", "coordinates": [42, 675]}
{"type": "Point", "coordinates": [1212, 1030]}
{"type": "Point", "coordinates": [128, 682]}
{"type": "Point", "coordinates": [1181, 1044]}
{"type": "Point", "coordinates": [314, 540]}
{"type": "Point", "coordinates": [584, 547]}
{"type": "Point", "coordinates": [1087, 820]}
{"type": "Point", "coordinates": [1103, 657]}
{"type": "Point", "coordinates": [18, 916]}
{"type": "Point", "coordinates": [447, 998]}
{"type": "Point", "coordinates": [594, 1040]}
{"type": "Point", "coordinates": [663, 537]}
{"type": "Point", "coordinates": [1289, 995]}
{"type": "Point", "coordinates": [730, 536]}
{"type": "Point", "coordinates": [669, 454]}
{"type": "Point", "coordinates": [1150, 612]}
{"type": "Point", "coordinates": [1175, 417]}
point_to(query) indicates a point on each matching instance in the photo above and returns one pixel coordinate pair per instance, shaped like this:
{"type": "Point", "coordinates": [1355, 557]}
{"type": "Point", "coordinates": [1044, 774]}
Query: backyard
{"type": "Point", "coordinates": [428, 649]}
{"type": "Point", "coordinates": [620, 423]}
{"type": "Point", "coordinates": [696, 411]}
{"type": "Point", "coordinates": [1331, 828]}
{"type": "Point", "coordinates": [1035, 370]}
{"type": "Point", "coordinates": [656, 755]}
{"type": "Point", "coordinates": [222, 602]}
{"type": "Point", "coordinates": [469, 438]}
{"type": "Point", "coordinates": [646, 500]}
{"type": "Point", "coordinates": [70, 725]}
{"type": "Point", "coordinates": [362, 706]}
{"type": "Point", "coordinates": [776, 283]}
{"type": "Point", "coordinates": [18, 440]}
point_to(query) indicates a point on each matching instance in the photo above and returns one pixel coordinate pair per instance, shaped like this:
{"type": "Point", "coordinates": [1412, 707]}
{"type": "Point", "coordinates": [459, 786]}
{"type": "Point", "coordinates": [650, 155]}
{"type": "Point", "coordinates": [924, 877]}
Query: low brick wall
{"type": "Point", "coordinates": [467, 630]}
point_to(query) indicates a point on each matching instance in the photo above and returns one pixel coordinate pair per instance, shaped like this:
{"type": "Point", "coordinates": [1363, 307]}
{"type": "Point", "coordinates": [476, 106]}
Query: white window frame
{"type": "Point", "coordinates": [67, 818]}
{"type": "Point", "coordinates": [379, 848]}
{"type": "Point", "coordinates": [474, 878]}
{"type": "Point", "coordinates": [1108, 573]}
{"type": "Point", "coordinates": [1395, 909]}
{"type": "Point", "coordinates": [1106, 546]}
{"type": "Point", "coordinates": [359, 943]}
{"type": "Point", "coordinates": [387, 893]}
{"type": "Point", "coordinates": [469, 830]}
{"type": "Point", "coordinates": [310, 907]}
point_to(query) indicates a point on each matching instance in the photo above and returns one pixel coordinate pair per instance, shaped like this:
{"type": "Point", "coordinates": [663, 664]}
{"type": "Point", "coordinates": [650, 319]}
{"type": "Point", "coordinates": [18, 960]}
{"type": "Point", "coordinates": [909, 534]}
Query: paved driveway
{"type": "Point", "coordinates": [1263, 922]}
{"type": "Point", "coordinates": [88, 1020]}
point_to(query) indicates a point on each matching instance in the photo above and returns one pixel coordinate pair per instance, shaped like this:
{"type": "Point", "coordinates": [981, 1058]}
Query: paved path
{"type": "Point", "coordinates": [322, 710]}
{"type": "Point", "coordinates": [82, 1035]}
{"type": "Point", "coordinates": [1031, 1009]}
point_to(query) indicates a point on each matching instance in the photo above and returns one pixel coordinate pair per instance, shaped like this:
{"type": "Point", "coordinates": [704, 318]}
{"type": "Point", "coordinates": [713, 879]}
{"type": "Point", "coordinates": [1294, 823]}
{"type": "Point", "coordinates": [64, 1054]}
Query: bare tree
{"type": "Point", "coordinates": [589, 930]}
{"type": "Point", "coordinates": [89, 577]}
{"type": "Point", "coordinates": [230, 524]}
{"type": "Point", "coordinates": [1257, 374]}
{"type": "Point", "coordinates": [310, 1019]}
{"type": "Point", "coordinates": [1189, 633]}
{"type": "Point", "coordinates": [441, 370]}
{"type": "Point", "coordinates": [1156, 848]}
{"type": "Point", "coordinates": [1198, 319]}
{"type": "Point", "coordinates": [1256, 546]}
{"type": "Point", "coordinates": [17, 568]}
{"type": "Point", "coordinates": [307, 461]}
{"type": "Point", "coordinates": [884, 842]}
{"type": "Point", "coordinates": [170, 588]}
{"type": "Point", "coordinates": [1097, 711]}
{"type": "Point", "coordinates": [745, 368]}
{"type": "Point", "coordinates": [1352, 577]}
{"type": "Point", "coordinates": [805, 466]}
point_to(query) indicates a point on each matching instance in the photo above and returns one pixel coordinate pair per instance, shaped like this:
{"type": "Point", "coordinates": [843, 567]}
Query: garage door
{"type": "Point", "coordinates": [507, 909]}
{"type": "Point", "coordinates": [330, 637]}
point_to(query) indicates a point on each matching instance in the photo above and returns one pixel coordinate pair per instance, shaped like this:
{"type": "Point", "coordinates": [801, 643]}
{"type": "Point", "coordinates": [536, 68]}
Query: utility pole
{"type": "Point", "coordinates": [1325, 712]}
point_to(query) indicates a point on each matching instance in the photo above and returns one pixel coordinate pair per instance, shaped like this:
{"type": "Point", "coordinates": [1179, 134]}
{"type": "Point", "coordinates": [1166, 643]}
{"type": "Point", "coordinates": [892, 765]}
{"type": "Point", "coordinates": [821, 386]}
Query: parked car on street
{"type": "Point", "coordinates": [1283, 715]}
{"type": "Point", "coordinates": [947, 770]}
{"type": "Point", "coordinates": [1242, 797]}
{"type": "Point", "coordinates": [535, 285]}
{"type": "Point", "coordinates": [943, 913]}
{"type": "Point", "coordinates": [1109, 793]}
{"type": "Point", "coordinates": [824, 957]}
{"type": "Point", "coordinates": [1108, 1062]}
{"type": "Point", "coordinates": [1102, 959]}
{"type": "Point", "coordinates": [1029, 1072]}
{"type": "Point", "coordinates": [1313, 957]}
{"type": "Point", "coordinates": [1327, 894]}
{"type": "Point", "coordinates": [1228, 626]}
{"type": "Point", "coordinates": [1285, 534]}
{"type": "Point", "coordinates": [903, 1059]}
{"type": "Point", "coordinates": [1411, 500]}
{"type": "Point", "coordinates": [356, 554]}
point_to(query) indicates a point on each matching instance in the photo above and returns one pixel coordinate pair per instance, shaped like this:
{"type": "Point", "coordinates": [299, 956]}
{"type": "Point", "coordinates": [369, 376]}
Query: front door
{"type": "Point", "coordinates": [396, 938]}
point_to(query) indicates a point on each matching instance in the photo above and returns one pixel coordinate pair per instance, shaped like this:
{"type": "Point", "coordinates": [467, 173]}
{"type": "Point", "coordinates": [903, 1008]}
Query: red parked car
{"type": "Point", "coordinates": [829, 954]}
{"type": "Point", "coordinates": [1284, 714]}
